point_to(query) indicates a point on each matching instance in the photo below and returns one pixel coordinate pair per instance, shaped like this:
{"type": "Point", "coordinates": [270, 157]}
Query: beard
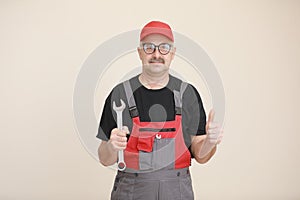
{"type": "Point", "coordinates": [156, 64]}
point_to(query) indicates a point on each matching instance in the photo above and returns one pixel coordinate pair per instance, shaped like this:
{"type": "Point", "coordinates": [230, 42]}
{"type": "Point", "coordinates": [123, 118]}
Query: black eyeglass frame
{"type": "Point", "coordinates": [156, 47]}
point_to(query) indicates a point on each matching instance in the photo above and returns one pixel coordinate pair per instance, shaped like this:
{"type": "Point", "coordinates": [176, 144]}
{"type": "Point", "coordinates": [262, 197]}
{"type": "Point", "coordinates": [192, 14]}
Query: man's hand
{"type": "Point", "coordinates": [108, 150]}
{"type": "Point", "coordinates": [214, 135]}
{"type": "Point", "coordinates": [118, 139]}
{"type": "Point", "coordinates": [213, 130]}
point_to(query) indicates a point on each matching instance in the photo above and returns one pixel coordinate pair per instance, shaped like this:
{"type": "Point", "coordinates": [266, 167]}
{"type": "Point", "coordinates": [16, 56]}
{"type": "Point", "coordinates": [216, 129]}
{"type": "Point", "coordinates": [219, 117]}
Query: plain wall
{"type": "Point", "coordinates": [255, 46]}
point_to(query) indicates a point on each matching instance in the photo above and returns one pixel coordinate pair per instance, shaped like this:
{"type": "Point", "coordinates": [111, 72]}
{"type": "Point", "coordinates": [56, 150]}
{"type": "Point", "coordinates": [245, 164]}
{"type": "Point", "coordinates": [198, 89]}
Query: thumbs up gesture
{"type": "Point", "coordinates": [214, 135]}
{"type": "Point", "coordinates": [213, 129]}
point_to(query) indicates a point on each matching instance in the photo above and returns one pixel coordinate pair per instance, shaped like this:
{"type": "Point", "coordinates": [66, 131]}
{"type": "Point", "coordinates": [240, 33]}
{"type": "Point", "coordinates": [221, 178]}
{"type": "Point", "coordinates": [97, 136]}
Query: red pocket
{"type": "Point", "coordinates": [145, 141]}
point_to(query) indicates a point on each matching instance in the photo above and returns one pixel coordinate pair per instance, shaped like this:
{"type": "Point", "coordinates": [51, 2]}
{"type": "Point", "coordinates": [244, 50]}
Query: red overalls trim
{"type": "Point", "coordinates": [143, 137]}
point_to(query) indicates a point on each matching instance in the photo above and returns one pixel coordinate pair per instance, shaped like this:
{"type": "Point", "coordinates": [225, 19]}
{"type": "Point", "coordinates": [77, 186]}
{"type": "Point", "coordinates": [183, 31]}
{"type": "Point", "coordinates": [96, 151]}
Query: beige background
{"type": "Point", "coordinates": [254, 44]}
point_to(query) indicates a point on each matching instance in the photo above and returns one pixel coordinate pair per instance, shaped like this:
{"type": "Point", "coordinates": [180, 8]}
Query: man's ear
{"type": "Point", "coordinates": [173, 52]}
{"type": "Point", "coordinates": [139, 50]}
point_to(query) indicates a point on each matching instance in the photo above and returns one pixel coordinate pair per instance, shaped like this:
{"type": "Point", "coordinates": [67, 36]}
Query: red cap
{"type": "Point", "coordinates": [157, 27]}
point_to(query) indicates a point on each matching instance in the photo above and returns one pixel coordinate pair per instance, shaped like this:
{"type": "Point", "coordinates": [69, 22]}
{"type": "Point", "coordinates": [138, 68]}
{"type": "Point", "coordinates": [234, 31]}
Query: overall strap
{"type": "Point", "coordinates": [178, 97]}
{"type": "Point", "coordinates": [130, 99]}
{"type": "Point", "coordinates": [132, 105]}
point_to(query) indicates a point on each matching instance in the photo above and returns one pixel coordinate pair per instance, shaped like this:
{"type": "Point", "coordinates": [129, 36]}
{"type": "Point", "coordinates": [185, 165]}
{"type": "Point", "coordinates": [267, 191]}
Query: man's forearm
{"type": "Point", "coordinates": [199, 149]}
{"type": "Point", "coordinates": [207, 157]}
{"type": "Point", "coordinates": [107, 155]}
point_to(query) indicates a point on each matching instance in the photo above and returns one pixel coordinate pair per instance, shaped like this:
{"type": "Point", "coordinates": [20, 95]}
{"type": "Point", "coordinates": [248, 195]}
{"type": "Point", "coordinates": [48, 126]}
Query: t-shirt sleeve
{"type": "Point", "coordinates": [107, 121]}
{"type": "Point", "coordinates": [193, 113]}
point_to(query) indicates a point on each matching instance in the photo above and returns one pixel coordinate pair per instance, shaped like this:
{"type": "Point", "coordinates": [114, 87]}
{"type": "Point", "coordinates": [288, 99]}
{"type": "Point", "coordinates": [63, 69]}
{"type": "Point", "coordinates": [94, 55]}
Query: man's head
{"type": "Point", "coordinates": [156, 48]}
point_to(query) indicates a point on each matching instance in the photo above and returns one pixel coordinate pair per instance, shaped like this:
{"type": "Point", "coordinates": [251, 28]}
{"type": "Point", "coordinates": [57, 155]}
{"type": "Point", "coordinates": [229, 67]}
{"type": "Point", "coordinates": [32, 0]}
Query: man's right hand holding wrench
{"type": "Point", "coordinates": [110, 151]}
{"type": "Point", "coordinates": [118, 139]}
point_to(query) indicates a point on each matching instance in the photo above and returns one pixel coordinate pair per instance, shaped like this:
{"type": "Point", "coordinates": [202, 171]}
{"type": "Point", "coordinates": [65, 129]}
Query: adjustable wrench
{"type": "Point", "coordinates": [119, 110]}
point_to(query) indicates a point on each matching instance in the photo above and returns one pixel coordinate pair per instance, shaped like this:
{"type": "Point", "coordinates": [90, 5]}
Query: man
{"type": "Point", "coordinates": [165, 126]}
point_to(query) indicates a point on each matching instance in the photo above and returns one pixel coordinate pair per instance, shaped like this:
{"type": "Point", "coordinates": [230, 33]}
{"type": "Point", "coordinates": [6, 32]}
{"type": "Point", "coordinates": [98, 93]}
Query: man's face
{"type": "Point", "coordinates": [156, 63]}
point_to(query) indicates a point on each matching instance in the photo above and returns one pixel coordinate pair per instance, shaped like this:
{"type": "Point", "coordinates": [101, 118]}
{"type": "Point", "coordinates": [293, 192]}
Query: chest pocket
{"type": "Point", "coordinates": [158, 150]}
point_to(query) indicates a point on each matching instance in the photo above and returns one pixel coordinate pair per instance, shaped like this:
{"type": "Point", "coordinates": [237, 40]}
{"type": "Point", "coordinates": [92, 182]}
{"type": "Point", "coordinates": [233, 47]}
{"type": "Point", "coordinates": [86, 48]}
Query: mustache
{"type": "Point", "coordinates": [155, 60]}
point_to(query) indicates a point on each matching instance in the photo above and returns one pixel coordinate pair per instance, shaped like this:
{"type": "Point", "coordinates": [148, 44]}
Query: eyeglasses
{"type": "Point", "coordinates": [163, 48]}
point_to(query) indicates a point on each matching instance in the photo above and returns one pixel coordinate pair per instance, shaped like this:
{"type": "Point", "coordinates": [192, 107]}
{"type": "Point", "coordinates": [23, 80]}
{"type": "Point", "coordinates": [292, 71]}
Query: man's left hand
{"type": "Point", "coordinates": [214, 132]}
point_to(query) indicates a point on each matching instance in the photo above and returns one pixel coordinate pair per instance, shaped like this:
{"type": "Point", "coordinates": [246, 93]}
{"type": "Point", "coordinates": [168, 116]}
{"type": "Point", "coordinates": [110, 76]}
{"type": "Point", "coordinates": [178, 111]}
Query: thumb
{"type": "Point", "coordinates": [211, 116]}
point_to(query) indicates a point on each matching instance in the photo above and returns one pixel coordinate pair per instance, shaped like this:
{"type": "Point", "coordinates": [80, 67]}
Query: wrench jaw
{"type": "Point", "coordinates": [119, 108]}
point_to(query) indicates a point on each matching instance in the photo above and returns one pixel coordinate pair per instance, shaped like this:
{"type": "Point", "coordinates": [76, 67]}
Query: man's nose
{"type": "Point", "coordinates": [156, 53]}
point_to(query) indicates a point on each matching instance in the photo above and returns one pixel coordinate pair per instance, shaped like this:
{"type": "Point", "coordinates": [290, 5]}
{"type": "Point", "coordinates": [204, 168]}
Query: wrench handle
{"type": "Point", "coordinates": [119, 121]}
{"type": "Point", "coordinates": [121, 162]}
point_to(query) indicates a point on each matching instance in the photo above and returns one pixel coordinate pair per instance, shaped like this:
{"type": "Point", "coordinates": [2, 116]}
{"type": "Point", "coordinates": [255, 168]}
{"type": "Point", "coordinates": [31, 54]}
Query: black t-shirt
{"type": "Point", "coordinates": [156, 106]}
